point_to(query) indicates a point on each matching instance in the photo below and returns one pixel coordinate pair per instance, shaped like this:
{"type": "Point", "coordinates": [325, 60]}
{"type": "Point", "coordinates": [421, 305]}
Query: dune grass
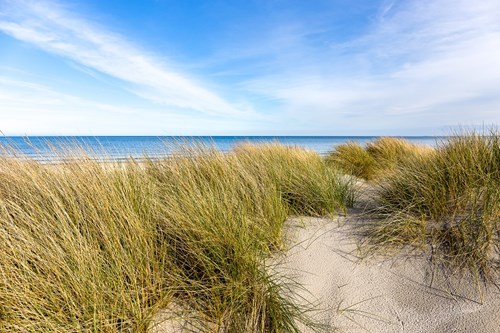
{"type": "Point", "coordinates": [103, 247]}
{"type": "Point", "coordinates": [353, 159]}
{"type": "Point", "coordinates": [446, 203]}
{"type": "Point", "coordinates": [377, 159]}
{"type": "Point", "coordinates": [389, 152]}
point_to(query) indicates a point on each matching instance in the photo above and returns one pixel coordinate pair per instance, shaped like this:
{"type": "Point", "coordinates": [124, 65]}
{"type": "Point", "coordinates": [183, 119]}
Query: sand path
{"type": "Point", "coordinates": [380, 295]}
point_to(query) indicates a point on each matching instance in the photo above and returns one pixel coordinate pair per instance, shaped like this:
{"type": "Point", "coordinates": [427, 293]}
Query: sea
{"type": "Point", "coordinates": [116, 148]}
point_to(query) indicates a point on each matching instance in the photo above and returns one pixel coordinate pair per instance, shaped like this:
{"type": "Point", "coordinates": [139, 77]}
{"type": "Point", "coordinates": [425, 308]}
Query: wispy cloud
{"type": "Point", "coordinates": [57, 30]}
{"type": "Point", "coordinates": [420, 63]}
{"type": "Point", "coordinates": [18, 95]}
{"type": "Point", "coordinates": [406, 67]}
{"type": "Point", "coordinates": [33, 108]}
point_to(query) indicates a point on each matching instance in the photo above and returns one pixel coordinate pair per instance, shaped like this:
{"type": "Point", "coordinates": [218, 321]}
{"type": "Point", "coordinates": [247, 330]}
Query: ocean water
{"type": "Point", "coordinates": [122, 147]}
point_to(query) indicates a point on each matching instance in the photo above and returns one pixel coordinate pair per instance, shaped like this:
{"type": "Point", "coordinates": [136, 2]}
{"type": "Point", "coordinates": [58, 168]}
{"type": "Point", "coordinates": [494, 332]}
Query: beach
{"type": "Point", "coordinates": [400, 293]}
{"type": "Point", "coordinates": [237, 166]}
{"type": "Point", "coordinates": [350, 292]}
{"type": "Point", "coordinates": [388, 236]}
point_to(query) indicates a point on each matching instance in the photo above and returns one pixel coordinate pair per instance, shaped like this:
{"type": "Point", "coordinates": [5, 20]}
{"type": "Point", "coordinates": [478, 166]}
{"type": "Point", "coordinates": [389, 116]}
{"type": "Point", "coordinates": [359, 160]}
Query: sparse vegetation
{"type": "Point", "coordinates": [103, 247]}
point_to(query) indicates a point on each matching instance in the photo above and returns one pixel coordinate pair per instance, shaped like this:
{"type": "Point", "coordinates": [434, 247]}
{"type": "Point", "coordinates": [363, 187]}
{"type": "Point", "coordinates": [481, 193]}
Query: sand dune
{"type": "Point", "coordinates": [381, 295]}
{"type": "Point", "coordinates": [353, 294]}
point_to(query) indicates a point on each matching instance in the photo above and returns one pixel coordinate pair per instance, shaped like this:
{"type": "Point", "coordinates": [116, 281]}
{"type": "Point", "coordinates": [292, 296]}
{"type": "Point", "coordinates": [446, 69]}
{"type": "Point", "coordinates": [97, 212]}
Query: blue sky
{"type": "Point", "coordinates": [250, 67]}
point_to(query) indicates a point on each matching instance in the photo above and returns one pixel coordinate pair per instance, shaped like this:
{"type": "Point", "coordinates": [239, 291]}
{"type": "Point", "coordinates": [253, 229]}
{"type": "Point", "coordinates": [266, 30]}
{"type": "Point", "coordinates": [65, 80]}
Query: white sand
{"type": "Point", "coordinates": [374, 295]}
{"type": "Point", "coordinates": [381, 295]}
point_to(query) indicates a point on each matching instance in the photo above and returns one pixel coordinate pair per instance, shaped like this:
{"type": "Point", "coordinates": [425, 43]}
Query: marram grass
{"type": "Point", "coordinates": [446, 202]}
{"type": "Point", "coordinates": [102, 247]}
{"type": "Point", "coordinates": [353, 159]}
{"type": "Point", "coordinates": [378, 159]}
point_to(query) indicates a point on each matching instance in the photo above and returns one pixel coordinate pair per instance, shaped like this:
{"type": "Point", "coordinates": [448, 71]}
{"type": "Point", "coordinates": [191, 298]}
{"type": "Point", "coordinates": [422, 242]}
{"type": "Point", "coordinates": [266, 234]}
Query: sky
{"type": "Point", "coordinates": [248, 67]}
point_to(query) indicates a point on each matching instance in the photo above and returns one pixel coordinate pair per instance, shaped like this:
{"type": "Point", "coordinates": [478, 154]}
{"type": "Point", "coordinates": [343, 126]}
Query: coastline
{"type": "Point", "coordinates": [224, 241]}
{"type": "Point", "coordinates": [122, 148]}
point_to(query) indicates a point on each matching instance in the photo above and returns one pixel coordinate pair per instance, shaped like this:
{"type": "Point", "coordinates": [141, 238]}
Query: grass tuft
{"type": "Point", "coordinates": [105, 247]}
{"type": "Point", "coordinates": [447, 202]}
{"type": "Point", "coordinates": [389, 152]}
{"type": "Point", "coordinates": [354, 160]}
{"type": "Point", "coordinates": [378, 159]}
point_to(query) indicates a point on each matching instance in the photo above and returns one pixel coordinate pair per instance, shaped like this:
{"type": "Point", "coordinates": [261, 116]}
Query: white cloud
{"type": "Point", "coordinates": [29, 108]}
{"type": "Point", "coordinates": [23, 95]}
{"type": "Point", "coordinates": [56, 30]}
{"type": "Point", "coordinates": [422, 63]}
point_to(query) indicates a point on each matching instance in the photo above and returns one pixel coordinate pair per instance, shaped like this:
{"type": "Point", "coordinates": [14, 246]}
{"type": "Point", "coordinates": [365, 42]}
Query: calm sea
{"type": "Point", "coordinates": [122, 147]}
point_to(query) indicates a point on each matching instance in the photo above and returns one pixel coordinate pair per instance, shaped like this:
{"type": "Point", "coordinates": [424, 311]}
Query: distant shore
{"type": "Point", "coordinates": [120, 148]}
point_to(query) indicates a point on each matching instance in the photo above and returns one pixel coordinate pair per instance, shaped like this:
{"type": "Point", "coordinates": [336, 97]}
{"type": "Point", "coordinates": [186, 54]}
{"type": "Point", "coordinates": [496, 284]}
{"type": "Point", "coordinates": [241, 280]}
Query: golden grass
{"type": "Point", "coordinates": [378, 159]}
{"type": "Point", "coordinates": [446, 202]}
{"type": "Point", "coordinates": [353, 159]}
{"type": "Point", "coordinates": [92, 247]}
{"type": "Point", "coordinates": [389, 152]}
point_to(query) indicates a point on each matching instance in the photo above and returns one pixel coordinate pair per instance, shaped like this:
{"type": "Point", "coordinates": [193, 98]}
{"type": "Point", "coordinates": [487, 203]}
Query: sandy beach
{"type": "Point", "coordinates": [394, 294]}
{"type": "Point", "coordinates": [249, 166]}
{"type": "Point", "coordinates": [212, 241]}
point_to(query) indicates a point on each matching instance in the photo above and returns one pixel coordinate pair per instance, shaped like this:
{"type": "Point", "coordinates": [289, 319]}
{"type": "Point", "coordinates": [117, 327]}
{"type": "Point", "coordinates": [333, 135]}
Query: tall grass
{"type": "Point", "coordinates": [353, 159]}
{"type": "Point", "coordinates": [95, 247]}
{"type": "Point", "coordinates": [377, 159]}
{"type": "Point", "coordinates": [306, 183]}
{"type": "Point", "coordinates": [389, 152]}
{"type": "Point", "coordinates": [447, 202]}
